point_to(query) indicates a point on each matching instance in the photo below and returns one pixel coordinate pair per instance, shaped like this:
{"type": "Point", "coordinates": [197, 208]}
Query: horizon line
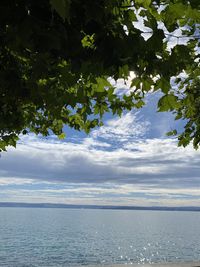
{"type": "Point", "coordinates": [94, 206]}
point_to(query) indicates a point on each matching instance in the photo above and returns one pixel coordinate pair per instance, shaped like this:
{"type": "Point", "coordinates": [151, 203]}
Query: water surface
{"type": "Point", "coordinates": [34, 237]}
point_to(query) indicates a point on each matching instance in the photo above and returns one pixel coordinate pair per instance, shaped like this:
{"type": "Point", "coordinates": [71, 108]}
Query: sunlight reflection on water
{"type": "Point", "coordinates": [61, 237]}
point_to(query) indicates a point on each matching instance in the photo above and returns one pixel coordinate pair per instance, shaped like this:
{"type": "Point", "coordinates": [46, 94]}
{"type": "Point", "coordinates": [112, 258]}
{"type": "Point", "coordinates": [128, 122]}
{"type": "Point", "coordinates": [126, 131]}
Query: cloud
{"type": "Point", "coordinates": [107, 194]}
{"type": "Point", "coordinates": [118, 152]}
{"type": "Point", "coordinates": [116, 164]}
{"type": "Point", "coordinates": [154, 162]}
{"type": "Point", "coordinates": [129, 126]}
{"type": "Point", "coordinates": [14, 181]}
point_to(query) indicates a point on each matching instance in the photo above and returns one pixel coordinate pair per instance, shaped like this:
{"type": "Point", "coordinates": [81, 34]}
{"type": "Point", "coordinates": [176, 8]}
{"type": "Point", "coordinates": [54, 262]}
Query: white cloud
{"type": "Point", "coordinates": [119, 195]}
{"type": "Point", "coordinates": [129, 126]}
{"type": "Point", "coordinates": [152, 162]}
{"type": "Point", "coordinates": [91, 142]}
{"type": "Point", "coordinates": [116, 164]}
{"type": "Point", "coordinates": [14, 181]}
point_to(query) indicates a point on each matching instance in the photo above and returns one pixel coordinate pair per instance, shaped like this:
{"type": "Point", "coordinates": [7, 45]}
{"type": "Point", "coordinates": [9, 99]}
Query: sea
{"type": "Point", "coordinates": [45, 237]}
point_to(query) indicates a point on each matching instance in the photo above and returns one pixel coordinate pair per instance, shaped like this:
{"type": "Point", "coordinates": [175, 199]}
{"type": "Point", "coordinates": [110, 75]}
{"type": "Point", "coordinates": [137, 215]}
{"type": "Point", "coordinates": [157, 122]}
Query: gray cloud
{"type": "Point", "coordinates": [156, 162]}
{"type": "Point", "coordinates": [115, 164]}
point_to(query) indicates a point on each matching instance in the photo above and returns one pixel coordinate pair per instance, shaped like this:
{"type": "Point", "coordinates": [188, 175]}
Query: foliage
{"type": "Point", "coordinates": [56, 57]}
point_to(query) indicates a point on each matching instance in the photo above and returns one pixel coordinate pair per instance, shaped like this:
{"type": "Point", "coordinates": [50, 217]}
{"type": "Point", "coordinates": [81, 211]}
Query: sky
{"type": "Point", "coordinates": [128, 161]}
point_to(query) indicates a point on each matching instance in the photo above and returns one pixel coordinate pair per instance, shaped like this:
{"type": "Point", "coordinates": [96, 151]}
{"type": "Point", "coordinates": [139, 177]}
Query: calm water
{"type": "Point", "coordinates": [64, 237]}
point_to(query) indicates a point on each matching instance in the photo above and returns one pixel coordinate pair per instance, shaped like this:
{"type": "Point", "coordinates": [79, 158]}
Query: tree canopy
{"type": "Point", "coordinates": [56, 57]}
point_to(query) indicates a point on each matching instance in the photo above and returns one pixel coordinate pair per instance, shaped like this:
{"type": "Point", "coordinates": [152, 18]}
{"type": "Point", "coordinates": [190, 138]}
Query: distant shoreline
{"type": "Point", "coordinates": [179, 264]}
{"type": "Point", "coordinates": [108, 207]}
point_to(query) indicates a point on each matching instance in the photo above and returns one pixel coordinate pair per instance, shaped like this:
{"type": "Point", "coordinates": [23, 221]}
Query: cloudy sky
{"type": "Point", "coordinates": [128, 161]}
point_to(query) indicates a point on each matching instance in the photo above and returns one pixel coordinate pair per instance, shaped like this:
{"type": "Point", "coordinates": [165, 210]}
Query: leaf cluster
{"type": "Point", "coordinates": [56, 57]}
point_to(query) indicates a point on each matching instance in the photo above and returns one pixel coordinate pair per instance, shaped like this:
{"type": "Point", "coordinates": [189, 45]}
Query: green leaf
{"type": "Point", "coordinates": [162, 84]}
{"type": "Point", "coordinates": [168, 103]}
{"type": "Point", "coordinates": [146, 84]}
{"type": "Point", "coordinates": [136, 82]}
{"type": "Point", "coordinates": [101, 84]}
{"type": "Point", "coordinates": [172, 133]}
{"type": "Point", "coordinates": [62, 136]}
{"type": "Point", "coordinates": [132, 15]}
{"type": "Point", "coordinates": [140, 104]}
{"type": "Point", "coordinates": [144, 3]}
{"type": "Point", "coordinates": [88, 41]}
